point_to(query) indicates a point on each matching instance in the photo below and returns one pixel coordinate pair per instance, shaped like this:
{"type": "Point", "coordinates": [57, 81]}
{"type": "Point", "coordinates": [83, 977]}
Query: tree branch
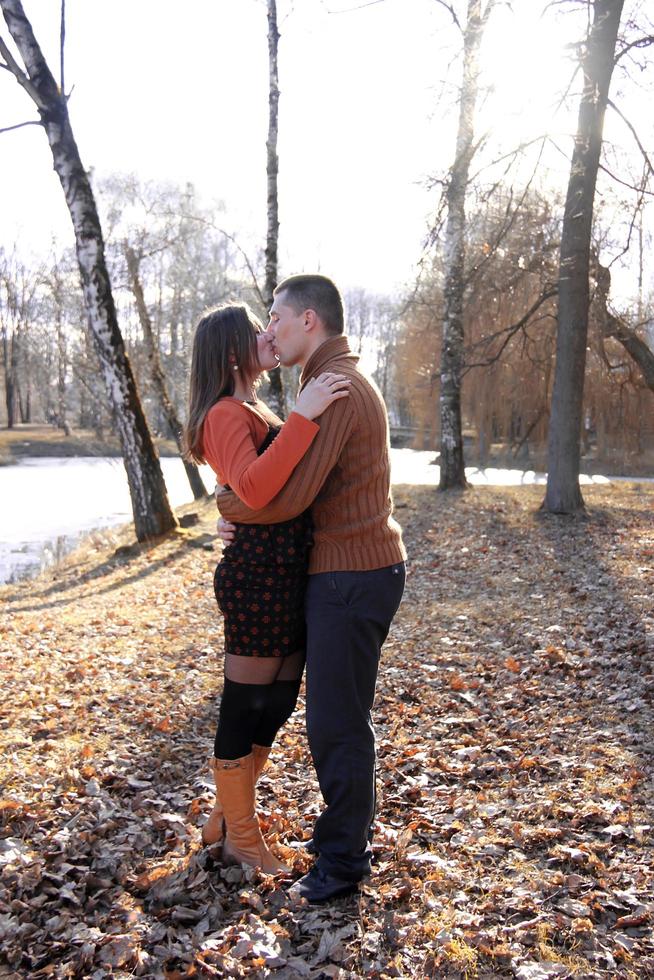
{"type": "Point", "coordinates": [632, 224]}
{"type": "Point", "coordinates": [510, 219]}
{"type": "Point", "coordinates": [450, 9]}
{"type": "Point", "coordinates": [233, 240]}
{"type": "Point", "coordinates": [62, 41]}
{"type": "Point", "coordinates": [539, 415]}
{"type": "Point", "coordinates": [631, 187]}
{"type": "Point", "coordinates": [489, 10]}
{"type": "Point", "coordinates": [510, 155]}
{"type": "Point", "coordinates": [629, 125]}
{"type": "Point", "coordinates": [20, 76]}
{"type": "Point", "coordinates": [641, 42]}
{"type": "Point", "coordinates": [348, 10]}
{"type": "Point", "coordinates": [635, 347]}
{"type": "Point", "coordinates": [32, 122]}
{"type": "Point", "coordinates": [509, 332]}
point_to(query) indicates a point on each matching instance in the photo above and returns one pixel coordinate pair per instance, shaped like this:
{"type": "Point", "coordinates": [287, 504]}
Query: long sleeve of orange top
{"type": "Point", "coordinates": [304, 484]}
{"type": "Point", "coordinates": [231, 436]}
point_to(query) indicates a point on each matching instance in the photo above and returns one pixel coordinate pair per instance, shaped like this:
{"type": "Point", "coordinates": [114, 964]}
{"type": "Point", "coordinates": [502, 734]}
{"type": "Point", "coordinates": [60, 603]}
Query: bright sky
{"type": "Point", "coordinates": [180, 91]}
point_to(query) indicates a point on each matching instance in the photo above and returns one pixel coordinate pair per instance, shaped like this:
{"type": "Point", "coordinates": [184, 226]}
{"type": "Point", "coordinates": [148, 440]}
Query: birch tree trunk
{"type": "Point", "coordinates": [452, 465]}
{"type": "Point", "coordinates": [275, 393]}
{"type": "Point", "coordinates": [56, 288]}
{"type": "Point", "coordinates": [152, 512]}
{"type": "Point", "coordinates": [563, 494]}
{"type": "Point", "coordinates": [156, 371]}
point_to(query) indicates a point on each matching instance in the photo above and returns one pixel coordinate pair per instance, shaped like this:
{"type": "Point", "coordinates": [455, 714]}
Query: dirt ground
{"type": "Point", "coordinates": [514, 719]}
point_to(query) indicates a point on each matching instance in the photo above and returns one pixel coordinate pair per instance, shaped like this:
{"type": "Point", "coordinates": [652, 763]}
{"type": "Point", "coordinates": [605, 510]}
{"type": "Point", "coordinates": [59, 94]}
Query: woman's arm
{"type": "Point", "coordinates": [233, 432]}
{"type": "Point", "coordinates": [308, 477]}
{"type": "Point", "coordinates": [231, 436]}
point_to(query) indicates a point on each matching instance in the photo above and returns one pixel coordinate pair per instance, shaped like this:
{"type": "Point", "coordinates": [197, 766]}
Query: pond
{"type": "Point", "coordinates": [49, 504]}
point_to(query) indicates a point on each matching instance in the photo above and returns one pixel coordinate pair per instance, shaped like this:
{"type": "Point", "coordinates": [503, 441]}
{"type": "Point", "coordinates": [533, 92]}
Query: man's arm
{"type": "Point", "coordinates": [308, 477]}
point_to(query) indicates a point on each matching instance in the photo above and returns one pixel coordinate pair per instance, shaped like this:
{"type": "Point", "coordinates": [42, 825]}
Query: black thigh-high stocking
{"type": "Point", "coordinates": [259, 696]}
{"type": "Point", "coordinates": [242, 707]}
{"type": "Point", "coordinates": [281, 699]}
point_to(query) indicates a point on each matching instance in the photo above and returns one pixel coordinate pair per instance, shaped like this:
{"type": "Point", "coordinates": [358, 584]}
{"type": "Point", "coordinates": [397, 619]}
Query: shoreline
{"type": "Point", "coordinates": [33, 441]}
{"type": "Point", "coordinates": [34, 538]}
{"type": "Point", "coordinates": [43, 441]}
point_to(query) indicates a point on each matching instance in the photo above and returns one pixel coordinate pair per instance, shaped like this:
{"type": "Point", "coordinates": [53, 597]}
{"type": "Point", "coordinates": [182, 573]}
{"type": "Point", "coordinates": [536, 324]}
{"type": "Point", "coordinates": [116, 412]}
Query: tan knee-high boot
{"type": "Point", "coordinates": [213, 830]}
{"type": "Point", "coordinates": [243, 842]}
{"type": "Point", "coordinates": [260, 753]}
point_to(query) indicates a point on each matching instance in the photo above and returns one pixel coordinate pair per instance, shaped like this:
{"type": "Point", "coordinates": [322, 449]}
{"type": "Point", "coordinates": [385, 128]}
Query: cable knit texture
{"type": "Point", "coordinates": [344, 476]}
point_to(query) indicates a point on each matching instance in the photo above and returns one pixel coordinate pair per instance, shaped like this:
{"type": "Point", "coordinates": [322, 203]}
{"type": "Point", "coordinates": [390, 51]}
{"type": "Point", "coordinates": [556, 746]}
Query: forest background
{"type": "Point", "coordinates": [174, 132]}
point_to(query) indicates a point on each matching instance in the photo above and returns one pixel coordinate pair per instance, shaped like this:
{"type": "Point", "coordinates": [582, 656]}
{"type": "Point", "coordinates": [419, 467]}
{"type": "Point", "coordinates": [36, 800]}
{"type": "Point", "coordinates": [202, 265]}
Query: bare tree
{"type": "Point", "coordinates": [563, 495]}
{"type": "Point", "coordinates": [151, 508]}
{"type": "Point", "coordinates": [156, 371]}
{"type": "Point", "coordinates": [452, 465]}
{"type": "Point", "coordinates": [18, 286]}
{"type": "Point", "coordinates": [275, 388]}
{"type": "Point", "coordinates": [56, 286]}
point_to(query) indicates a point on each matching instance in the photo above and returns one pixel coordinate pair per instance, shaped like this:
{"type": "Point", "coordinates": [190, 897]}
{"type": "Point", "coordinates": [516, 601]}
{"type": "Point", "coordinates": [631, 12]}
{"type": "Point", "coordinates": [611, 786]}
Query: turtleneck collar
{"type": "Point", "coordinates": [335, 348]}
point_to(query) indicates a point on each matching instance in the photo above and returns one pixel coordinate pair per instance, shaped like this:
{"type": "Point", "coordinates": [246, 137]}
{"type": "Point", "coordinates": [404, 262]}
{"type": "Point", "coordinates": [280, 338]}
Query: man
{"type": "Point", "coordinates": [356, 576]}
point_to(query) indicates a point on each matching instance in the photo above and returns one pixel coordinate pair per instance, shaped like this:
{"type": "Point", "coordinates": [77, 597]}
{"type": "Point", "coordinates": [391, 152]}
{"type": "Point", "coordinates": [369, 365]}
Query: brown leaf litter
{"type": "Point", "coordinates": [514, 720]}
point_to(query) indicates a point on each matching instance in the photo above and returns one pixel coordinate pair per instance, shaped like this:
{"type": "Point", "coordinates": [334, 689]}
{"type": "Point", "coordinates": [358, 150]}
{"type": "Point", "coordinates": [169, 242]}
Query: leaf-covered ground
{"type": "Point", "coordinates": [514, 717]}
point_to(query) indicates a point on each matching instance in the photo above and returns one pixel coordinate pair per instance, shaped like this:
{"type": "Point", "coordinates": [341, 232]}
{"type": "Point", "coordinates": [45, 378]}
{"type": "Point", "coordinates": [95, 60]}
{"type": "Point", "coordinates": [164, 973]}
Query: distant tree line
{"type": "Point", "coordinates": [169, 258]}
{"type": "Point", "coordinates": [510, 329]}
{"type": "Point", "coordinates": [166, 248]}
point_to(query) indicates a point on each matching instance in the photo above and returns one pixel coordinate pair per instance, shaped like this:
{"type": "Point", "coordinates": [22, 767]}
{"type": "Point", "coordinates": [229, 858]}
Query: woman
{"type": "Point", "coordinates": [260, 582]}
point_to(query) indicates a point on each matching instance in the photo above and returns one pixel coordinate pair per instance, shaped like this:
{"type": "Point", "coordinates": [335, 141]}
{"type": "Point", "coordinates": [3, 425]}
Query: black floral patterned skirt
{"type": "Point", "coordinates": [260, 585]}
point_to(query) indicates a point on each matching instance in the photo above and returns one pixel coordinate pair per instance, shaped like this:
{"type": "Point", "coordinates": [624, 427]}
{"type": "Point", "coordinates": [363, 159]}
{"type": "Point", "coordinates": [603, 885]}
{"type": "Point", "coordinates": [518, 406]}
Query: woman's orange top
{"type": "Point", "coordinates": [231, 434]}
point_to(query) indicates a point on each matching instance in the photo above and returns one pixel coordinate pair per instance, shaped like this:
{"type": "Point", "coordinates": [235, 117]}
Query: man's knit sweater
{"type": "Point", "coordinates": [344, 477]}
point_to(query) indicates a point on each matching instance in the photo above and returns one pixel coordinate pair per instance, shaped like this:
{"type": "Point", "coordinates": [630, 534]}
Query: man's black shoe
{"type": "Point", "coordinates": [316, 886]}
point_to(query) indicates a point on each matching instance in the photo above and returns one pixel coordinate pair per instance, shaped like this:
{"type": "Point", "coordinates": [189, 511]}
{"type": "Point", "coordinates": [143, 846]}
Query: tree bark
{"type": "Point", "coordinates": [275, 392]}
{"type": "Point", "coordinates": [156, 371]}
{"type": "Point", "coordinates": [563, 494]}
{"type": "Point", "coordinates": [152, 512]}
{"type": "Point", "coordinates": [452, 464]}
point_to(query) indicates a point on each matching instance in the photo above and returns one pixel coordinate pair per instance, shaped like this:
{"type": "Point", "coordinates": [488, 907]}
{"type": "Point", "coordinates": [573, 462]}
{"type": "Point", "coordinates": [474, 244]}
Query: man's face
{"type": "Point", "coordinates": [287, 328]}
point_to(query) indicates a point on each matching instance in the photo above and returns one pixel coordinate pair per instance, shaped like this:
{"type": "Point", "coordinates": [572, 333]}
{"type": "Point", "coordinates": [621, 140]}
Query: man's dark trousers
{"type": "Point", "coordinates": [348, 618]}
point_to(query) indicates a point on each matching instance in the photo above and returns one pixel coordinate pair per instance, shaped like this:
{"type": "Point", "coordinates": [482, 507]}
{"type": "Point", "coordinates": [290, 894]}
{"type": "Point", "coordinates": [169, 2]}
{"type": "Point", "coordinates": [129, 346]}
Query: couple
{"type": "Point", "coordinates": [314, 567]}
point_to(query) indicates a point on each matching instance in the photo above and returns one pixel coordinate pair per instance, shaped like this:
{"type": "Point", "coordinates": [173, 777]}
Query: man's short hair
{"type": "Point", "coordinates": [313, 292]}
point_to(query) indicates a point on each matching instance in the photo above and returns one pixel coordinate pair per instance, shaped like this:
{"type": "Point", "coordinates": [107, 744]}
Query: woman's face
{"type": "Point", "coordinates": [267, 357]}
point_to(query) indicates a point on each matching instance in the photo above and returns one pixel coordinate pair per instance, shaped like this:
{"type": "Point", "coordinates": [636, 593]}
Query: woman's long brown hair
{"type": "Point", "coordinates": [225, 338]}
